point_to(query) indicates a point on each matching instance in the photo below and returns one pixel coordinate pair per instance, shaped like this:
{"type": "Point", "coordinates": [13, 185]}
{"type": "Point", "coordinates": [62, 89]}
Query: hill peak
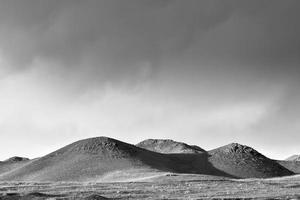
{"type": "Point", "coordinates": [93, 158]}
{"type": "Point", "coordinates": [98, 145]}
{"type": "Point", "coordinates": [244, 161]}
{"type": "Point", "coordinates": [237, 148]}
{"type": "Point", "coordinates": [169, 146]}
{"type": "Point", "coordinates": [16, 159]}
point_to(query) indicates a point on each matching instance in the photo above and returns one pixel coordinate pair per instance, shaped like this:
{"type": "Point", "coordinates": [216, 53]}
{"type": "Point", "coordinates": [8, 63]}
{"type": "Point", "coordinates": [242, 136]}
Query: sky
{"type": "Point", "coordinates": [207, 72]}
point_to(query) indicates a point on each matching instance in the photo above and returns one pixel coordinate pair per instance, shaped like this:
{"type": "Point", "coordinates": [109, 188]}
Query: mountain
{"type": "Point", "coordinates": [82, 160]}
{"type": "Point", "coordinates": [245, 162]}
{"type": "Point", "coordinates": [107, 159]}
{"type": "Point", "coordinates": [12, 163]}
{"type": "Point", "coordinates": [94, 158]}
{"type": "Point", "coordinates": [293, 158]}
{"type": "Point", "coordinates": [169, 146]}
{"type": "Point", "coordinates": [16, 159]}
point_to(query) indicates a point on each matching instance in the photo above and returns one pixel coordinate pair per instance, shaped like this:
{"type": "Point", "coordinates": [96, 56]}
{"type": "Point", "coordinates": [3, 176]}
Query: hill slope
{"type": "Point", "coordinates": [168, 146]}
{"type": "Point", "coordinates": [293, 166]}
{"type": "Point", "coordinates": [81, 160]}
{"type": "Point", "coordinates": [293, 158]}
{"type": "Point", "coordinates": [243, 161]}
{"type": "Point", "coordinates": [12, 163]}
{"type": "Point", "coordinates": [292, 163]}
{"type": "Point", "coordinates": [94, 158]}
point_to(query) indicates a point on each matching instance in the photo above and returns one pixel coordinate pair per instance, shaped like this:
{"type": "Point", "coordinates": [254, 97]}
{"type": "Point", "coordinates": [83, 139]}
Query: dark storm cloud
{"type": "Point", "coordinates": [114, 37]}
{"type": "Point", "coordinates": [214, 48]}
{"type": "Point", "coordinates": [211, 68]}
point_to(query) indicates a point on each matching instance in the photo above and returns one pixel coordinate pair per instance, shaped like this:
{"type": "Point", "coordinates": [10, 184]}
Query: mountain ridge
{"type": "Point", "coordinates": [92, 159]}
{"type": "Point", "coordinates": [168, 146]}
{"type": "Point", "coordinates": [245, 162]}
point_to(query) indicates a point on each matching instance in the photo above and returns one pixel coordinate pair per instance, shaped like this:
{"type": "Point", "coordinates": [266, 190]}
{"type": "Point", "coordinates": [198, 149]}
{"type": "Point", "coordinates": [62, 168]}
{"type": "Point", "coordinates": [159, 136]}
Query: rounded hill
{"type": "Point", "coordinates": [95, 159]}
{"type": "Point", "coordinates": [169, 146]}
{"type": "Point", "coordinates": [83, 160]}
{"type": "Point", "coordinates": [16, 159]}
{"type": "Point", "coordinates": [245, 162]}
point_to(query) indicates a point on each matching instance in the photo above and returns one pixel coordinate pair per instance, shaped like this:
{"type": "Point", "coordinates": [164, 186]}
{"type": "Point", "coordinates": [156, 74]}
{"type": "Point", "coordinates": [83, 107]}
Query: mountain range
{"type": "Point", "coordinates": [103, 158]}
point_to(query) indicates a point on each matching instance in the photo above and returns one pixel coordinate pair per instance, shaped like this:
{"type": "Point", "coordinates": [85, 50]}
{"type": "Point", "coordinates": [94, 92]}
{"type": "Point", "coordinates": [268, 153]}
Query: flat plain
{"type": "Point", "coordinates": [158, 186]}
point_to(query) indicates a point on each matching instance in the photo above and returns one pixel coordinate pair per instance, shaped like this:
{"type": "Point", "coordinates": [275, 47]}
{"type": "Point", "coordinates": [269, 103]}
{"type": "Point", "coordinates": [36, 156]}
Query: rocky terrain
{"type": "Point", "coordinates": [169, 146]}
{"type": "Point", "coordinates": [245, 162]}
{"type": "Point", "coordinates": [106, 159]}
{"type": "Point", "coordinates": [105, 168]}
{"type": "Point", "coordinates": [16, 159]}
{"type": "Point", "coordinates": [95, 159]}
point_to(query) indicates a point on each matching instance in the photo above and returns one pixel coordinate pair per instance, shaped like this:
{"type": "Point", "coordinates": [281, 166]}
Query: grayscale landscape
{"type": "Point", "coordinates": [105, 168]}
{"type": "Point", "coordinates": [149, 99]}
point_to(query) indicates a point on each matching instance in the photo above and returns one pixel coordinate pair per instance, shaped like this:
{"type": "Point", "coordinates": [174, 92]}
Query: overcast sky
{"type": "Point", "coordinates": [203, 72]}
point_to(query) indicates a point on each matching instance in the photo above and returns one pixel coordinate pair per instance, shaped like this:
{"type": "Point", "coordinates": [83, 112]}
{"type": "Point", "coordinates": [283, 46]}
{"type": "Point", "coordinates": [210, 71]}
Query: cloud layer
{"type": "Point", "coordinates": [134, 69]}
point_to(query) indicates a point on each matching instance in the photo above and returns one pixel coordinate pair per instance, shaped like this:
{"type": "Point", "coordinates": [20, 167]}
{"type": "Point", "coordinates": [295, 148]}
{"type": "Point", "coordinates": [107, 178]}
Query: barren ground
{"type": "Point", "coordinates": [159, 186]}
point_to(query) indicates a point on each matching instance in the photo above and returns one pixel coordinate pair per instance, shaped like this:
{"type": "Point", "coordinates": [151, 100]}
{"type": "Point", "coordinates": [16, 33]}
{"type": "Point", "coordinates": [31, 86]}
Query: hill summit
{"type": "Point", "coordinates": [103, 158]}
{"type": "Point", "coordinates": [85, 160]}
{"type": "Point", "coordinates": [243, 161]}
{"type": "Point", "coordinates": [16, 159]}
{"type": "Point", "coordinates": [236, 148]}
{"type": "Point", "coordinates": [101, 146]}
{"type": "Point", "coordinates": [169, 146]}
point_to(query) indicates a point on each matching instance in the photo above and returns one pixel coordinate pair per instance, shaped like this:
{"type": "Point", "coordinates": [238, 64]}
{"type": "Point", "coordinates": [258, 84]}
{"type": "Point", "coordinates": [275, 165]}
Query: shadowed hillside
{"type": "Point", "coordinates": [292, 163]}
{"type": "Point", "coordinates": [16, 159]}
{"type": "Point", "coordinates": [82, 160]}
{"type": "Point", "coordinates": [90, 159]}
{"type": "Point", "coordinates": [169, 146]}
{"type": "Point", "coordinates": [243, 161]}
{"type": "Point", "coordinates": [293, 166]}
{"type": "Point", "coordinates": [95, 158]}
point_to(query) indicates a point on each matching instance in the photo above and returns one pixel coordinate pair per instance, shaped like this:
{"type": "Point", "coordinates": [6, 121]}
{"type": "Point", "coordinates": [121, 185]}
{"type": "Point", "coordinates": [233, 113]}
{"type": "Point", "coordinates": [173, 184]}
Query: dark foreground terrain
{"type": "Point", "coordinates": [161, 186]}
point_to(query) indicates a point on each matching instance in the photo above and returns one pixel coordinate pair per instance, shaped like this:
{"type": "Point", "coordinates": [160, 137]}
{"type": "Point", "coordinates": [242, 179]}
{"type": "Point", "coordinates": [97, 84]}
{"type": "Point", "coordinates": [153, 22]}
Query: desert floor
{"type": "Point", "coordinates": [160, 186]}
